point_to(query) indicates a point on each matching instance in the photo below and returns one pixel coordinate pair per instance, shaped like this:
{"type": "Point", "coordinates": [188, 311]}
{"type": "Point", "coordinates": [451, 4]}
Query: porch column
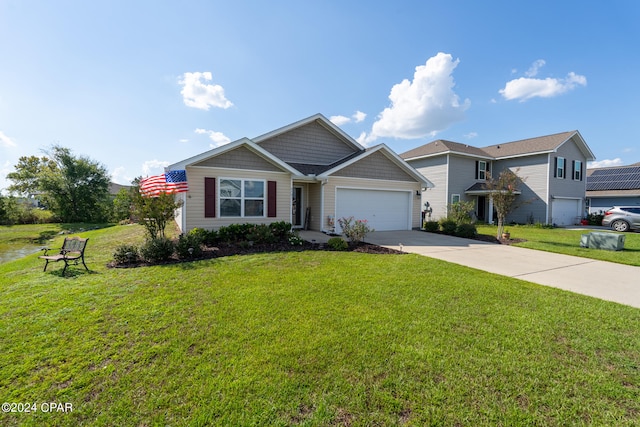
{"type": "Point", "coordinates": [490, 216]}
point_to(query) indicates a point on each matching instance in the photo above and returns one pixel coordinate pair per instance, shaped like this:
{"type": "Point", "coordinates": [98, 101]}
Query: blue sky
{"type": "Point", "coordinates": [137, 85]}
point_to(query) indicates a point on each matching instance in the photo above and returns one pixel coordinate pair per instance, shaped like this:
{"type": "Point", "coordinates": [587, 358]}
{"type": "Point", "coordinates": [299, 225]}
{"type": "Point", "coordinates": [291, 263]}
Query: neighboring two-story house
{"type": "Point", "coordinates": [552, 168]}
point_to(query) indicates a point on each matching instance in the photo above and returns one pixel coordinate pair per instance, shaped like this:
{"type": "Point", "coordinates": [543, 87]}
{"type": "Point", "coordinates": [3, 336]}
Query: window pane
{"type": "Point", "coordinates": [229, 207]}
{"type": "Point", "coordinates": [253, 189]}
{"type": "Point", "coordinates": [254, 208]}
{"type": "Point", "coordinates": [230, 188]}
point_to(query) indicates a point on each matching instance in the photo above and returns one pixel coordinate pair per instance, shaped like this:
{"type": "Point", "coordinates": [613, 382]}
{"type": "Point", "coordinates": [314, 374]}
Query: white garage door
{"type": "Point", "coordinates": [383, 210]}
{"type": "Point", "coordinates": [565, 211]}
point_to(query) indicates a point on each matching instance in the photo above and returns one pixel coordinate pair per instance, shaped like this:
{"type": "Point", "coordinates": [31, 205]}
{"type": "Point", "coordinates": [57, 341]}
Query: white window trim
{"type": "Point", "coordinates": [482, 172]}
{"type": "Point", "coordinates": [577, 169]}
{"type": "Point", "coordinates": [453, 196]}
{"type": "Point", "coordinates": [563, 168]}
{"type": "Point", "coordinates": [242, 197]}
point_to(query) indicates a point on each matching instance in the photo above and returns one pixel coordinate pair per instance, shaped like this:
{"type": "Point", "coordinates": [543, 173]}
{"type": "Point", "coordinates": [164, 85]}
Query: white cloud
{"type": "Point", "coordinates": [424, 106]}
{"type": "Point", "coordinates": [605, 163]}
{"type": "Point", "coordinates": [199, 95]}
{"type": "Point", "coordinates": [339, 120]}
{"type": "Point", "coordinates": [357, 117]}
{"type": "Point", "coordinates": [154, 167]}
{"type": "Point", "coordinates": [119, 176]}
{"type": "Point", "coordinates": [183, 140]}
{"type": "Point", "coordinates": [471, 135]}
{"type": "Point", "coordinates": [528, 87]}
{"type": "Point", "coordinates": [218, 138]}
{"type": "Point", "coordinates": [533, 70]}
{"type": "Point", "coordinates": [5, 141]}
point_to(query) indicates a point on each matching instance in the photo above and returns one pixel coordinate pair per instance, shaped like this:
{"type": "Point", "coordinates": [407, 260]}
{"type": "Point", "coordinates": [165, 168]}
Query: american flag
{"type": "Point", "coordinates": [170, 182]}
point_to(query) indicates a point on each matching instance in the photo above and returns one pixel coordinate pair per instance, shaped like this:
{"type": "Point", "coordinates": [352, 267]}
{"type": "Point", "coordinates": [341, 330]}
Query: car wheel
{"type": "Point", "coordinates": [620, 225]}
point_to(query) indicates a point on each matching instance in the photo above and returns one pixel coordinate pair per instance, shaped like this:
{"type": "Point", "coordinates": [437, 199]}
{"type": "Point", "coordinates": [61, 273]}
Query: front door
{"type": "Point", "coordinates": [481, 208]}
{"type": "Point", "coordinates": [297, 207]}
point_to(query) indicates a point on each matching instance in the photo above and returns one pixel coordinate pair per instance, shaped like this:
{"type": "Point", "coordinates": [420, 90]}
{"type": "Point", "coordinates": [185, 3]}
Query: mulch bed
{"type": "Point", "coordinates": [236, 249]}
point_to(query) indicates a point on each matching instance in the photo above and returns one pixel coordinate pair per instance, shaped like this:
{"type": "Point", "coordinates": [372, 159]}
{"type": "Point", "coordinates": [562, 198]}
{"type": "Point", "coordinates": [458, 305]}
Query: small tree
{"type": "Point", "coordinates": [504, 190]}
{"type": "Point", "coordinates": [460, 212]}
{"type": "Point", "coordinates": [154, 213]}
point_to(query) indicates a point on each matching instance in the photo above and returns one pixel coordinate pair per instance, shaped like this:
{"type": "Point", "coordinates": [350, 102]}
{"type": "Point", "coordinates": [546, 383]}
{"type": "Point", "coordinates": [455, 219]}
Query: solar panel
{"type": "Point", "coordinates": [625, 178]}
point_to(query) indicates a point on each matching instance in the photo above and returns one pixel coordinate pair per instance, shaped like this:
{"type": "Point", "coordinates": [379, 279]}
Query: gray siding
{"type": "Point", "coordinates": [312, 144]}
{"type": "Point", "coordinates": [567, 187]}
{"type": "Point", "coordinates": [375, 166]}
{"type": "Point", "coordinates": [601, 204]}
{"type": "Point", "coordinates": [533, 203]}
{"type": "Point", "coordinates": [240, 158]}
{"type": "Point", "coordinates": [462, 176]}
{"type": "Point", "coordinates": [435, 170]}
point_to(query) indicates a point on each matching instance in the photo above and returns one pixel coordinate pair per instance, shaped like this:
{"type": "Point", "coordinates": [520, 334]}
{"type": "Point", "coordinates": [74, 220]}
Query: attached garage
{"type": "Point", "coordinates": [384, 210]}
{"type": "Point", "coordinates": [565, 211]}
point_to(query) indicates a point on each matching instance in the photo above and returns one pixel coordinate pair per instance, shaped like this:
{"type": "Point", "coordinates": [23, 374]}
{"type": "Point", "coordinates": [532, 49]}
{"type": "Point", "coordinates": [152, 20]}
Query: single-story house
{"type": "Point", "coordinates": [613, 186]}
{"type": "Point", "coordinates": [309, 173]}
{"type": "Point", "coordinates": [552, 168]}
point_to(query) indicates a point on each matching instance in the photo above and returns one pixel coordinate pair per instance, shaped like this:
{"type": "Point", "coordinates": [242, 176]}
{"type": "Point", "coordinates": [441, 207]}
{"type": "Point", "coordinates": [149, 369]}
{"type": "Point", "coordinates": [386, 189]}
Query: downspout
{"type": "Point", "coordinates": [547, 197]}
{"type": "Point", "coordinates": [323, 182]}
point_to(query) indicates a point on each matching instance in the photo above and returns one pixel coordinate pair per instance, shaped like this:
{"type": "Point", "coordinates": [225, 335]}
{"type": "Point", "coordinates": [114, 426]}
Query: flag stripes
{"type": "Point", "coordinates": [170, 182]}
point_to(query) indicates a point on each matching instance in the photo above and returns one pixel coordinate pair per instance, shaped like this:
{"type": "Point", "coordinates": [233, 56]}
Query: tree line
{"type": "Point", "coordinates": [62, 187]}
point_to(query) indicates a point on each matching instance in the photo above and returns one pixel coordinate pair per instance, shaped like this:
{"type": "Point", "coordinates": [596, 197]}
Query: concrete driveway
{"type": "Point", "coordinates": [599, 279]}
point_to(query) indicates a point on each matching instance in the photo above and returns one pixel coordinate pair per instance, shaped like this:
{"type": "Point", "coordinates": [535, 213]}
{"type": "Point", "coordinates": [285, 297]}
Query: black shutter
{"type": "Point", "coordinates": [581, 170]}
{"type": "Point", "coordinates": [573, 169]}
{"type": "Point", "coordinates": [209, 197]}
{"type": "Point", "coordinates": [555, 167]}
{"type": "Point", "coordinates": [477, 169]}
{"type": "Point", "coordinates": [271, 199]}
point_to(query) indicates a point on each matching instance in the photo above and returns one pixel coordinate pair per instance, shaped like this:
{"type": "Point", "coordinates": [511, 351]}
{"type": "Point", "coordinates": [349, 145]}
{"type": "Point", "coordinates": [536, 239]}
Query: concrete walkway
{"type": "Point", "coordinates": [599, 279]}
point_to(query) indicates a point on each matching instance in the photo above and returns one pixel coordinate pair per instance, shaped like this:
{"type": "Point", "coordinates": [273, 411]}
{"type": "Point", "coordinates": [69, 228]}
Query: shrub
{"type": "Point", "coordinates": [189, 246]}
{"type": "Point", "coordinates": [595, 219]}
{"type": "Point", "coordinates": [431, 226]}
{"type": "Point", "coordinates": [337, 244]}
{"type": "Point", "coordinates": [281, 230]}
{"type": "Point", "coordinates": [460, 212]}
{"type": "Point", "coordinates": [260, 233]}
{"type": "Point", "coordinates": [468, 231]}
{"type": "Point", "coordinates": [157, 249]}
{"type": "Point", "coordinates": [126, 254]}
{"type": "Point", "coordinates": [295, 240]}
{"type": "Point", "coordinates": [355, 231]}
{"type": "Point", "coordinates": [448, 226]}
{"type": "Point", "coordinates": [199, 235]}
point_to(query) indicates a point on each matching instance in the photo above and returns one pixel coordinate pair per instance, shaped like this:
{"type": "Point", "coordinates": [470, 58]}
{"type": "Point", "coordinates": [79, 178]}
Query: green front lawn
{"type": "Point", "coordinates": [567, 241]}
{"type": "Point", "coordinates": [309, 338]}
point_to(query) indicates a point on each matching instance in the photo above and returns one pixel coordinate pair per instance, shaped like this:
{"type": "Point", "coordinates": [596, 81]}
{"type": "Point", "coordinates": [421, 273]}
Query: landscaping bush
{"type": "Point", "coordinates": [431, 226]}
{"type": "Point", "coordinates": [260, 233]}
{"type": "Point", "coordinates": [189, 246]}
{"type": "Point", "coordinates": [468, 231]}
{"type": "Point", "coordinates": [355, 231]}
{"type": "Point", "coordinates": [595, 219]}
{"type": "Point", "coordinates": [295, 240]}
{"type": "Point", "coordinates": [448, 226]}
{"type": "Point", "coordinates": [126, 254]}
{"type": "Point", "coordinates": [281, 230]}
{"type": "Point", "coordinates": [337, 244]}
{"type": "Point", "coordinates": [157, 249]}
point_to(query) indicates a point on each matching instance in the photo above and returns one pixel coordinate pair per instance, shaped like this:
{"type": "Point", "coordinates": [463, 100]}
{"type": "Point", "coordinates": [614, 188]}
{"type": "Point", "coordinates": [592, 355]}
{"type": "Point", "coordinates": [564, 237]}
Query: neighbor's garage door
{"type": "Point", "coordinates": [565, 211]}
{"type": "Point", "coordinates": [384, 210]}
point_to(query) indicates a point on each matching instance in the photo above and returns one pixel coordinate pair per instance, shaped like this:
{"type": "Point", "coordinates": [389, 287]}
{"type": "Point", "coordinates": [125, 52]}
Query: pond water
{"type": "Point", "coordinates": [12, 253]}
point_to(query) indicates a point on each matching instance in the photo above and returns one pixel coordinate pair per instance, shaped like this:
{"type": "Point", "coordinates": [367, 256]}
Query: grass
{"type": "Point", "coordinates": [567, 241]}
{"type": "Point", "coordinates": [309, 338]}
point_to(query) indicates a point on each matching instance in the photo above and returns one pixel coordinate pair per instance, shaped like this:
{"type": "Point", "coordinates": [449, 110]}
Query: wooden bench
{"type": "Point", "coordinates": [72, 251]}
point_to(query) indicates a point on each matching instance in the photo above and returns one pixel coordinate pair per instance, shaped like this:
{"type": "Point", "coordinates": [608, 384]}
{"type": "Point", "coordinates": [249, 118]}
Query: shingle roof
{"type": "Point", "coordinates": [539, 144]}
{"type": "Point", "coordinates": [443, 146]}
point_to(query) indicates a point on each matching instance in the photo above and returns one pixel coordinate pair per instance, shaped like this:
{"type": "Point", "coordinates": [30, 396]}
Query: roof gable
{"type": "Point", "coordinates": [378, 162]}
{"type": "Point", "coordinates": [246, 146]}
{"type": "Point", "coordinates": [313, 141]}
